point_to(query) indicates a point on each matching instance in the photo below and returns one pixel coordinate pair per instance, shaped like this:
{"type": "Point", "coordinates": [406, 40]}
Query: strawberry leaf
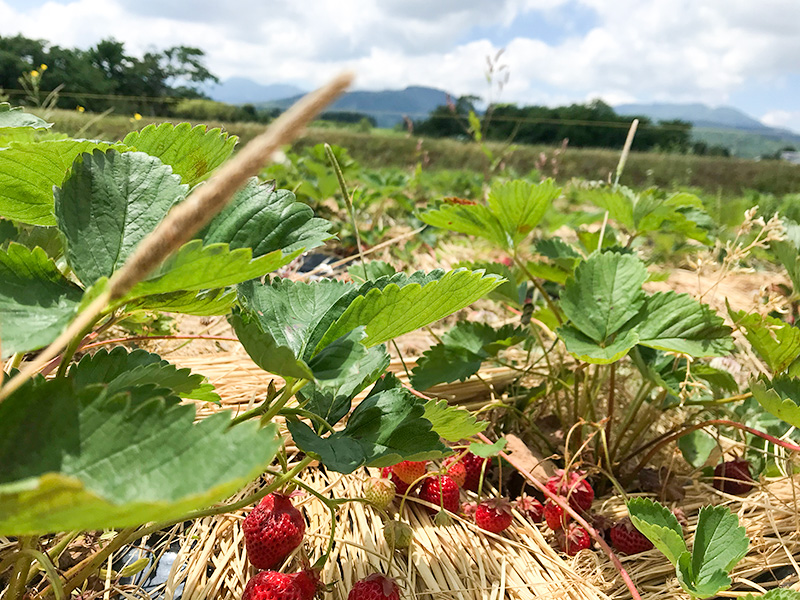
{"type": "Point", "coordinates": [511, 290]}
{"type": "Point", "coordinates": [123, 371]}
{"type": "Point", "coordinates": [14, 116]}
{"type": "Point", "coordinates": [266, 220]}
{"type": "Point", "coordinates": [782, 399]}
{"type": "Point", "coordinates": [28, 172]}
{"type": "Point", "coordinates": [202, 303]}
{"type": "Point", "coordinates": [108, 203]}
{"type": "Point", "coordinates": [396, 309]}
{"type": "Point", "coordinates": [586, 349]}
{"type": "Point", "coordinates": [775, 594]}
{"type": "Point", "coordinates": [452, 422]}
{"type": "Point", "coordinates": [711, 583]}
{"type": "Point", "coordinates": [36, 301]}
{"type": "Point", "coordinates": [719, 543]}
{"type": "Point", "coordinates": [519, 206]}
{"type": "Point", "coordinates": [191, 152]}
{"type": "Point", "coordinates": [472, 219]}
{"type": "Point", "coordinates": [776, 342]}
{"type": "Point", "coordinates": [604, 294]}
{"type": "Point", "coordinates": [678, 323]}
{"type": "Point", "coordinates": [658, 525]}
{"type": "Point", "coordinates": [86, 459]}
{"type": "Point", "coordinates": [387, 427]}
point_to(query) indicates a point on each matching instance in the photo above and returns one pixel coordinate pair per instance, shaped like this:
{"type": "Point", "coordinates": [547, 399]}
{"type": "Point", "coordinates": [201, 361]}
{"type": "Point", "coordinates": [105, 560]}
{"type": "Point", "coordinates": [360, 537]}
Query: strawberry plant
{"type": "Point", "coordinates": [106, 441]}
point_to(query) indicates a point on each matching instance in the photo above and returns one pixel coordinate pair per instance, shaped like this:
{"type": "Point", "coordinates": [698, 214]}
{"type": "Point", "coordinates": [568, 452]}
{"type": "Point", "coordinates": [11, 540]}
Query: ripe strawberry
{"type": "Point", "coordinates": [272, 530]}
{"type": "Point", "coordinates": [494, 515]}
{"type": "Point", "coordinates": [574, 487]}
{"type": "Point", "coordinates": [573, 539]}
{"type": "Point", "coordinates": [531, 508]}
{"type": "Point", "coordinates": [733, 477]}
{"type": "Point", "coordinates": [627, 539]}
{"type": "Point", "coordinates": [269, 585]}
{"type": "Point", "coordinates": [440, 490]}
{"type": "Point", "coordinates": [456, 470]}
{"type": "Point", "coordinates": [409, 471]}
{"type": "Point", "coordinates": [379, 492]}
{"type": "Point", "coordinates": [374, 587]}
{"type": "Point", "coordinates": [400, 486]}
{"type": "Point", "coordinates": [474, 465]}
{"type": "Point", "coordinates": [555, 516]}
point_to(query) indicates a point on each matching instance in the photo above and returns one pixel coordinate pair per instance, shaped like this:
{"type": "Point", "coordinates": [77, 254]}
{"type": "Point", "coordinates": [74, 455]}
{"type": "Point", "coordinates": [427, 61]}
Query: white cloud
{"type": "Point", "coordinates": [786, 119]}
{"type": "Point", "coordinates": [666, 50]}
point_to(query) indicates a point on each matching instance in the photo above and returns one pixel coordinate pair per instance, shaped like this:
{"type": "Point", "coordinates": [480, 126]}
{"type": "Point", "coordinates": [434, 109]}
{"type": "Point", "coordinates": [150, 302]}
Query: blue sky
{"type": "Point", "coordinates": [741, 53]}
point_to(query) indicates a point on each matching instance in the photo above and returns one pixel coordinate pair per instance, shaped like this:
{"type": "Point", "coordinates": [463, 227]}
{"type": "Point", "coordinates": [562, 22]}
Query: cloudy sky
{"type": "Point", "coordinates": [744, 53]}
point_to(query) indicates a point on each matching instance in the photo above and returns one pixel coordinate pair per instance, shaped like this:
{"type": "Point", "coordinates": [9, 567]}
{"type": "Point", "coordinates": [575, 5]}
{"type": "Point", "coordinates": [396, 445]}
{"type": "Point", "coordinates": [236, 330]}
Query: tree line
{"type": "Point", "coordinates": [594, 125]}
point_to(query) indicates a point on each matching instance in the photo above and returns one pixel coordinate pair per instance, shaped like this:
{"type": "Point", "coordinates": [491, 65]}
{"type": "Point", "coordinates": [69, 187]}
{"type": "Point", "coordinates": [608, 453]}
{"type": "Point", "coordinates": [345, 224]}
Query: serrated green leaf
{"type": "Point", "coordinates": [696, 447]}
{"type": "Point", "coordinates": [472, 219]}
{"type": "Point", "coordinates": [709, 586]}
{"type": "Point", "coordinates": [774, 594]}
{"type": "Point", "coordinates": [122, 371]}
{"type": "Point", "coordinates": [375, 269]}
{"type": "Point", "coordinates": [393, 311]}
{"type": "Point", "coordinates": [452, 422]}
{"type": "Point", "coordinates": [775, 341]}
{"type": "Point", "coordinates": [296, 314]}
{"type": "Point", "coordinates": [461, 352]}
{"type": "Point", "coordinates": [781, 398]}
{"type": "Point", "coordinates": [388, 426]}
{"type": "Point", "coordinates": [519, 206]}
{"type": "Point", "coordinates": [8, 232]}
{"type": "Point", "coordinates": [36, 301]}
{"type": "Point", "coordinates": [678, 323]}
{"type": "Point", "coordinates": [786, 252]}
{"type": "Point", "coordinates": [203, 303]}
{"type": "Point", "coordinates": [14, 116]}
{"type": "Point", "coordinates": [197, 267]}
{"type": "Point", "coordinates": [719, 544]}
{"type": "Point", "coordinates": [586, 349]}
{"type": "Point", "coordinates": [544, 270]}
{"type": "Point", "coordinates": [488, 450]}
{"type": "Point", "coordinates": [28, 172]}
{"type": "Point", "coordinates": [658, 525]}
{"type": "Point", "coordinates": [511, 290]}
{"type": "Point", "coordinates": [266, 220]}
{"type": "Point", "coordinates": [332, 400]}
{"type": "Point", "coordinates": [82, 459]}
{"type": "Point", "coordinates": [560, 252]}
{"type": "Point", "coordinates": [338, 362]}
{"type": "Point", "coordinates": [604, 294]}
{"type": "Point", "coordinates": [193, 153]}
{"type": "Point", "coordinates": [265, 350]}
{"type": "Point", "coordinates": [108, 203]}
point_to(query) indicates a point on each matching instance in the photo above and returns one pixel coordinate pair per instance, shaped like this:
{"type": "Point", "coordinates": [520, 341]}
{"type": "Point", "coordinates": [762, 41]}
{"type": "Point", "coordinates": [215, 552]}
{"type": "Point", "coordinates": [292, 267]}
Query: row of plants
{"type": "Point", "coordinates": [104, 439]}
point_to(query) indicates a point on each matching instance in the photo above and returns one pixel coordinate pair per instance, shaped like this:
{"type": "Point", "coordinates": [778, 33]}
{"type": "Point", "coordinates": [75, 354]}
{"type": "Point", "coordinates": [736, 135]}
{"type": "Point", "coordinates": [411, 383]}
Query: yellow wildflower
{"type": "Point", "coordinates": [137, 117]}
{"type": "Point", "coordinates": [43, 67]}
{"type": "Point", "coordinates": [34, 73]}
{"type": "Point", "coordinates": [79, 108]}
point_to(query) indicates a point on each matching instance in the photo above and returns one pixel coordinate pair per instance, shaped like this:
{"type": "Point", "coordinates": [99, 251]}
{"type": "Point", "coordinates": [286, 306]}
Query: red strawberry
{"type": "Point", "coordinates": [627, 539]}
{"type": "Point", "coordinates": [456, 470]}
{"type": "Point", "coordinates": [733, 477]}
{"type": "Point", "coordinates": [494, 515]}
{"type": "Point", "coordinates": [574, 487]}
{"type": "Point", "coordinates": [573, 539]}
{"type": "Point", "coordinates": [272, 530]}
{"type": "Point", "coordinates": [474, 465]}
{"type": "Point", "coordinates": [440, 490]}
{"type": "Point", "coordinates": [400, 486]}
{"type": "Point", "coordinates": [379, 492]}
{"type": "Point", "coordinates": [531, 508]}
{"type": "Point", "coordinates": [409, 471]}
{"type": "Point", "coordinates": [374, 587]}
{"type": "Point", "coordinates": [269, 585]}
{"type": "Point", "coordinates": [555, 516]}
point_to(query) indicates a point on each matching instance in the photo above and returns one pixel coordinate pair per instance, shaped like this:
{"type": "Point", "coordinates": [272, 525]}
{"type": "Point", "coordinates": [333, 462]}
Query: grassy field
{"type": "Point", "coordinates": [714, 175]}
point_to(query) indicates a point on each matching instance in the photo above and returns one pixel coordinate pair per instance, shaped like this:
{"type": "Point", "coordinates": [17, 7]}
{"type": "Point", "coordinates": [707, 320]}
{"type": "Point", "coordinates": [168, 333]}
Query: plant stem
{"type": "Point", "coordinates": [348, 203]}
{"type": "Point", "coordinates": [630, 414]}
{"type": "Point", "coordinates": [289, 390]}
{"type": "Point", "coordinates": [16, 586]}
{"type": "Point", "coordinates": [538, 287]}
{"type": "Point", "coordinates": [610, 414]}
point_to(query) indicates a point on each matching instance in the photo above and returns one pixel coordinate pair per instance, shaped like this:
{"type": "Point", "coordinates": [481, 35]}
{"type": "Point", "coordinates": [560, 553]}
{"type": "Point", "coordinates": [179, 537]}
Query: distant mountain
{"type": "Point", "coordinates": [387, 107]}
{"type": "Point", "coordinates": [722, 126]}
{"type": "Point", "coordinates": [240, 90]}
